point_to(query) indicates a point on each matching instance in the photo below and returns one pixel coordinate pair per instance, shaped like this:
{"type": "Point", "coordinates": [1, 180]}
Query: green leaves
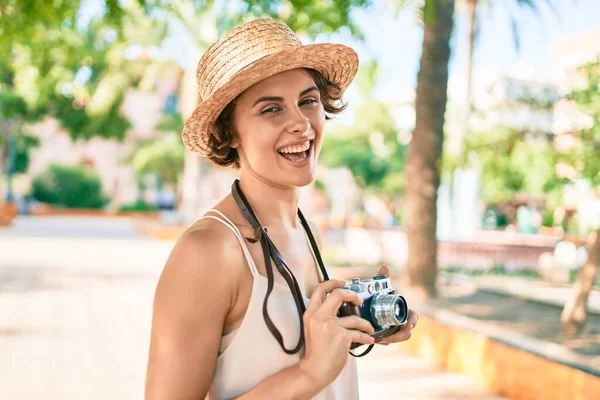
{"type": "Point", "coordinates": [70, 187]}
{"type": "Point", "coordinates": [24, 144]}
{"type": "Point", "coordinates": [310, 17]}
{"type": "Point", "coordinates": [369, 148]}
{"type": "Point", "coordinates": [164, 156]}
{"type": "Point", "coordinates": [77, 75]}
{"type": "Point", "coordinates": [584, 156]}
{"type": "Point", "coordinates": [512, 163]}
{"type": "Point", "coordinates": [12, 106]}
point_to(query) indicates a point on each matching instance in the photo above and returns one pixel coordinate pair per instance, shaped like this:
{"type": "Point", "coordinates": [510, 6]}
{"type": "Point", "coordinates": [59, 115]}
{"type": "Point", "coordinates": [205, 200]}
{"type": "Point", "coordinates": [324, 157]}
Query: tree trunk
{"type": "Point", "coordinates": [575, 311]}
{"type": "Point", "coordinates": [472, 9]}
{"type": "Point", "coordinates": [425, 149]}
{"type": "Point", "coordinates": [569, 214]}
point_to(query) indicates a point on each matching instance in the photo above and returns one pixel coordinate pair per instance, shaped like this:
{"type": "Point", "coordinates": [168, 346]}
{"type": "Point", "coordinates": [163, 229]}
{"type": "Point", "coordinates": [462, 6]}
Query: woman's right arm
{"type": "Point", "coordinates": [192, 299]}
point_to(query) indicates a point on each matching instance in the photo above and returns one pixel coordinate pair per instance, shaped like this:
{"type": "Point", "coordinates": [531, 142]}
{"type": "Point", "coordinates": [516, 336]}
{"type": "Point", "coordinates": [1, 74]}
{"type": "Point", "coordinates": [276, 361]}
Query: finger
{"type": "Point", "coordinates": [319, 295]}
{"type": "Point", "coordinates": [357, 323]}
{"type": "Point", "coordinates": [360, 337]}
{"type": "Point", "coordinates": [397, 337]}
{"type": "Point", "coordinates": [384, 270]}
{"type": "Point", "coordinates": [411, 321]}
{"type": "Point", "coordinates": [333, 302]}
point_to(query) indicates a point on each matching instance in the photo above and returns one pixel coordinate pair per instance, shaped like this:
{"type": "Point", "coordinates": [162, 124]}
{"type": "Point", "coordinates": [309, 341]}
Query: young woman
{"type": "Point", "coordinates": [225, 321]}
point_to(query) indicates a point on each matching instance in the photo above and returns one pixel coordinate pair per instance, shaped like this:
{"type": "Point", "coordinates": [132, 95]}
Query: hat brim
{"type": "Point", "coordinates": [336, 62]}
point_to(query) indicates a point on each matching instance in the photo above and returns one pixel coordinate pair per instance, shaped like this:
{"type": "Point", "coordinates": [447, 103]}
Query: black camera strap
{"type": "Point", "coordinates": [314, 246]}
{"type": "Point", "coordinates": [271, 252]}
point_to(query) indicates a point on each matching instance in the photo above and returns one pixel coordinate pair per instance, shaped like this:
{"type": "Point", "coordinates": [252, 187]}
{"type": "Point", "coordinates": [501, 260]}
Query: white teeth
{"type": "Point", "coordinates": [295, 149]}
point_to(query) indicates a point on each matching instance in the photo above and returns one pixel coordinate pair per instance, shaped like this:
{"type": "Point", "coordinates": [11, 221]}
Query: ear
{"type": "Point", "coordinates": [235, 142]}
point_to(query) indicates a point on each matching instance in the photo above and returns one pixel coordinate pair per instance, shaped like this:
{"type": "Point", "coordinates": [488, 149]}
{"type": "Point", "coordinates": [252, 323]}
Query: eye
{"type": "Point", "coordinates": [309, 100]}
{"type": "Point", "coordinates": [270, 110]}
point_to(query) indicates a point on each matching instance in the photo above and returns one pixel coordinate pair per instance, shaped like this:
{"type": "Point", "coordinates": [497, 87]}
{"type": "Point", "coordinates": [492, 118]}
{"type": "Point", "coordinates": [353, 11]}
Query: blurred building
{"type": "Point", "coordinates": [522, 103]}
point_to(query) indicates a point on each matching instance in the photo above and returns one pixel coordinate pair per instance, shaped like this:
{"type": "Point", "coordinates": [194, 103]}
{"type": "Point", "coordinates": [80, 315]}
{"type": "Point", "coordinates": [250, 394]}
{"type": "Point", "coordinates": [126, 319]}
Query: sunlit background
{"type": "Point", "coordinates": [501, 263]}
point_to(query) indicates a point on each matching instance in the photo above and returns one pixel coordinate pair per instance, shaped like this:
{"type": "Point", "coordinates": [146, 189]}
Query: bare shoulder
{"type": "Point", "coordinates": [206, 251]}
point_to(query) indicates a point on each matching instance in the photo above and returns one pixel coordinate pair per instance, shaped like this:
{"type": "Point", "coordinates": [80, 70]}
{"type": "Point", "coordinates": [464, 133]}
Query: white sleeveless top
{"type": "Point", "coordinates": [250, 354]}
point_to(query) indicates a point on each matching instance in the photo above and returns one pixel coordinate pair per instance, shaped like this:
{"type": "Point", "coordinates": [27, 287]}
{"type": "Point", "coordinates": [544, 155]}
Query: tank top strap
{"type": "Point", "coordinates": [233, 228]}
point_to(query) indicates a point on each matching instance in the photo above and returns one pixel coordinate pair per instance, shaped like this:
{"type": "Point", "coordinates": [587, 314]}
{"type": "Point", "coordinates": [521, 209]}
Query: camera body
{"type": "Point", "coordinates": [382, 306]}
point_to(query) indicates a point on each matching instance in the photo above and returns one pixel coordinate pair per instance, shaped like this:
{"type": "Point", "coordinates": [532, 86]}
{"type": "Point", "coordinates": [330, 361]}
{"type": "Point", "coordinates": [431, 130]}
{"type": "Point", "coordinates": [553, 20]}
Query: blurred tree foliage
{"type": "Point", "coordinates": [164, 156]}
{"type": "Point", "coordinates": [369, 148]}
{"type": "Point", "coordinates": [24, 144]}
{"type": "Point", "coordinates": [77, 74]}
{"type": "Point", "coordinates": [512, 163]}
{"type": "Point", "coordinates": [69, 187]}
{"type": "Point", "coordinates": [311, 17]}
{"type": "Point", "coordinates": [584, 156]}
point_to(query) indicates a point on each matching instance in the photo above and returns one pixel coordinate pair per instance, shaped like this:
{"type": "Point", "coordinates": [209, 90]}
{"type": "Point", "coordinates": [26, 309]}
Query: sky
{"type": "Point", "coordinates": [395, 40]}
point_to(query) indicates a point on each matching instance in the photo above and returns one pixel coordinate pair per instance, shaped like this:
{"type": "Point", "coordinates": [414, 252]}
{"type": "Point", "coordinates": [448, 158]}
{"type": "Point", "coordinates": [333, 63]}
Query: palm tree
{"type": "Point", "coordinates": [425, 149]}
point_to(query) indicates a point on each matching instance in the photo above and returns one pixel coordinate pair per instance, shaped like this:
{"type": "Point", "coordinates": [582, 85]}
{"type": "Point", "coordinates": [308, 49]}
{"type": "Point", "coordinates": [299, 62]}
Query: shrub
{"type": "Point", "coordinates": [548, 219]}
{"type": "Point", "coordinates": [69, 187]}
{"type": "Point", "coordinates": [139, 205]}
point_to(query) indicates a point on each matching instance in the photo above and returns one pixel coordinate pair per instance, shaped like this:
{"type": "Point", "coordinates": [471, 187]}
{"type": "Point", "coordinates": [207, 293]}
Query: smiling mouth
{"type": "Point", "coordinates": [300, 156]}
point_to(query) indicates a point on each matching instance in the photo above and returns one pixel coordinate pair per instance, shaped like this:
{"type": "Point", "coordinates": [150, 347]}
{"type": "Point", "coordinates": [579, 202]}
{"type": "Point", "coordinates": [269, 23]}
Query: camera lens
{"type": "Point", "coordinates": [389, 310]}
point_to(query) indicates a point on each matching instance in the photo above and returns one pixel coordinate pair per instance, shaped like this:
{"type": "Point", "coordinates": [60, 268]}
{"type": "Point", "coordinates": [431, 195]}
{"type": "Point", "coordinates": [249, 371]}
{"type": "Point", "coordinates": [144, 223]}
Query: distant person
{"type": "Point", "coordinates": [265, 100]}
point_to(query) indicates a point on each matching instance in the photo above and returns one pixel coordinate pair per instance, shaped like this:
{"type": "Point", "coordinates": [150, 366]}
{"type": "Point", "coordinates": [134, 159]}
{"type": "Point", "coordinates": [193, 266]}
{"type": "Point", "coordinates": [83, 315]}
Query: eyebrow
{"type": "Point", "coordinates": [271, 98]}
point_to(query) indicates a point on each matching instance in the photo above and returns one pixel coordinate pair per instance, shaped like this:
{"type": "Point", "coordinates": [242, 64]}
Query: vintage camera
{"type": "Point", "coordinates": [382, 306]}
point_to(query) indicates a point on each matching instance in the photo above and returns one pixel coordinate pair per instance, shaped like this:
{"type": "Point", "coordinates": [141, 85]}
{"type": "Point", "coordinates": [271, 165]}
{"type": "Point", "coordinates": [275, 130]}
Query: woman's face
{"type": "Point", "coordinates": [279, 124]}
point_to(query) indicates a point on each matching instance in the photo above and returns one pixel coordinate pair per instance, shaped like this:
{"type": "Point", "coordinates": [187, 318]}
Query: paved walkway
{"type": "Point", "coordinates": [75, 310]}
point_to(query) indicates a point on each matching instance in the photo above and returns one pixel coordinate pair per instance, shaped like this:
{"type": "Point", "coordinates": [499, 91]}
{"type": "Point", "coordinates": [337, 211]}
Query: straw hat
{"type": "Point", "coordinates": [248, 54]}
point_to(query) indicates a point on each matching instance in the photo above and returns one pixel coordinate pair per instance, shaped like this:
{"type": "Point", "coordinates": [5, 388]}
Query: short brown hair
{"type": "Point", "coordinates": [220, 151]}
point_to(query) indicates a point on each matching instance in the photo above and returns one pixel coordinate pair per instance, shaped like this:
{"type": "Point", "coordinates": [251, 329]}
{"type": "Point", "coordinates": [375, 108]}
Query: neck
{"type": "Point", "coordinates": [273, 205]}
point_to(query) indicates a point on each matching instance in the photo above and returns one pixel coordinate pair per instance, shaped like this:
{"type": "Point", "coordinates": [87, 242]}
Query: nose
{"type": "Point", "coordinates": [298, 124]}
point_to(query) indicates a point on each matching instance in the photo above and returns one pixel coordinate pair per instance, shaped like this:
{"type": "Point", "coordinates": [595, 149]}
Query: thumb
{"type": "Point", "coordinates": [384, 270]}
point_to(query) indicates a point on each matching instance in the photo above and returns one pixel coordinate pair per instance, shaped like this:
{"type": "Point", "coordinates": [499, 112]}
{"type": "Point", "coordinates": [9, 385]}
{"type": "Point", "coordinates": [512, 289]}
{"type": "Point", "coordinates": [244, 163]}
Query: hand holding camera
{"type": "Point", "coordinates": [382, 306]}
{"type": "Point", "coordinates": [327, 336]}
{"type": "Point", "coordinates": [343, 316]}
